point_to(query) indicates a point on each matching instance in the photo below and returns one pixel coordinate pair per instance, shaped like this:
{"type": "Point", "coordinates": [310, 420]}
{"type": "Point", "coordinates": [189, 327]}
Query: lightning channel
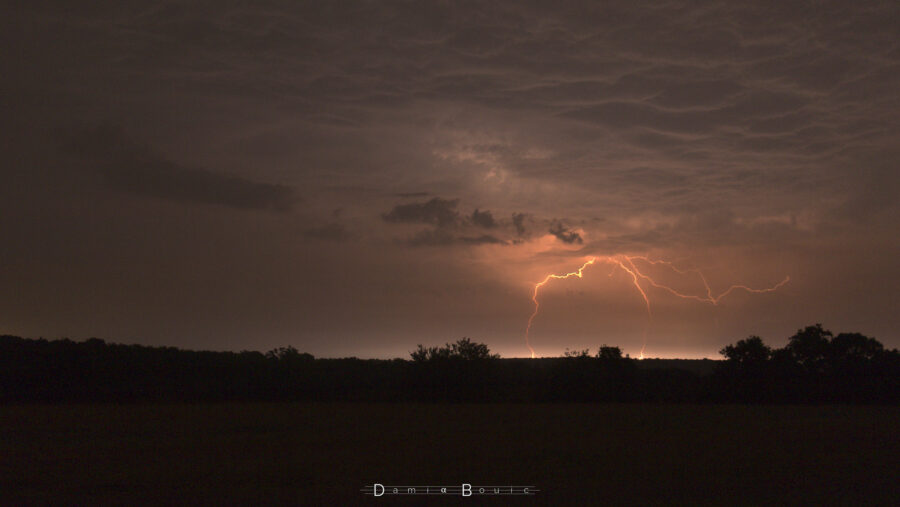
{"type": "Point", "coordinates": [627, 264]}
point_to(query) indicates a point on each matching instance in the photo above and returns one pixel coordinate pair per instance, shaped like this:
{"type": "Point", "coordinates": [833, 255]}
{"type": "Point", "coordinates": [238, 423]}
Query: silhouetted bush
{"type": "Point", "coordinates": [462, 349]}
{"type": "Point", "coordinates": [814, 367]}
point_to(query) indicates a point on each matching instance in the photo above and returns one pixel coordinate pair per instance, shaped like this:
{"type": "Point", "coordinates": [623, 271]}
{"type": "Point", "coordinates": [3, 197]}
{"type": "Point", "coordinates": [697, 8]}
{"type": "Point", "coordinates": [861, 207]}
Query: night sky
{"type": "Point", "coordinates": [355, 178]}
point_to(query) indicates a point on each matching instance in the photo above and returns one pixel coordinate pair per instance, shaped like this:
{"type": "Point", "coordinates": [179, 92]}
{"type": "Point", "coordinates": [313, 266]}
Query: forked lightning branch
{"type": "Point", "coordinates": [627, 264]}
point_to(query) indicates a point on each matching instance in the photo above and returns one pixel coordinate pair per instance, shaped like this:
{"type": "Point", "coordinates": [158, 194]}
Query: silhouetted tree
{"type": "Point", "coordinates": [749, 351]}
{"type": "Point", "coordinates": [809, 347]}
{"type": "Point", "coordinates": [430, 353]}
{"type": "Point", "coordinates": [815, 366]}
{"type": "Point", "coordinates": [854, 347]}
{"type": "Point", "coordinates": [462, 349]}
{"type": "Point", "coordinates": [469, 350]}
{"type": "Point", "coordinates": [577, 353]}
{"type": "Point", "coordinates": [289, 355]}
{"type": "Point", "coordinates": [609, 353]}
{"type": "Point", "coordinates": [745, 373]}
{"type": "Point", "coordinates": [616, 373]}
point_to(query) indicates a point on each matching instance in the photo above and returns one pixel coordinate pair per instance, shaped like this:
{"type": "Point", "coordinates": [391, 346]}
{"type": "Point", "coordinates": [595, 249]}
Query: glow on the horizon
{"type": "Point", "coordinates": [627, 264]}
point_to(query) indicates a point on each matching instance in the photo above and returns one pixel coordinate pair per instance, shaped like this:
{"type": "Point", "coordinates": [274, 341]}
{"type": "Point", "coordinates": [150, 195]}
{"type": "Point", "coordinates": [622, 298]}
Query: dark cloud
{"type": "Point", "coordinates": [442, 237]}
{"type": "Point", "coordinates": [483, 219]}
{"type": "Point", "coordinates": [128, 166]}
{"type": "Point", "coordinates": [449, 227]}
{"type": "Point", "coordinates": [431, 237]}
{"type": "Point", "coordinates": [437, 211]}
{"type": "Point", "coordinates": [564, 234]}
{"type": "Point", "coordinates": [485, 239]}
{"type": "Point", "coordinates": [518, 220]}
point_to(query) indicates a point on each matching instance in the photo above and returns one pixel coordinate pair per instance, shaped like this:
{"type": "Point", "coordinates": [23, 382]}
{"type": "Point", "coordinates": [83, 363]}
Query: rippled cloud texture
{"type": "Point", "coordinates": [356, 178]}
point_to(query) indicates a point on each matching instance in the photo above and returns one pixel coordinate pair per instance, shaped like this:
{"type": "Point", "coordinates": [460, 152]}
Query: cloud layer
{"type": "Point", "coordinates": [753, 139]}
{"type": "Point", "coordinates": [127, 166]}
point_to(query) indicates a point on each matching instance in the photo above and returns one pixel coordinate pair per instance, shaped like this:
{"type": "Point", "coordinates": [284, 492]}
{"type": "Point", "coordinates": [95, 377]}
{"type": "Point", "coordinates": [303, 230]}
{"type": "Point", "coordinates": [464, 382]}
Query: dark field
{"type": "Point", "coordinates": [307, 453]}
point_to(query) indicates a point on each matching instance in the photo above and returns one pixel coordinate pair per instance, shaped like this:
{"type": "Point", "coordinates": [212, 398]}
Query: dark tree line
{"type": "Point", "coordinates": [815, 366]}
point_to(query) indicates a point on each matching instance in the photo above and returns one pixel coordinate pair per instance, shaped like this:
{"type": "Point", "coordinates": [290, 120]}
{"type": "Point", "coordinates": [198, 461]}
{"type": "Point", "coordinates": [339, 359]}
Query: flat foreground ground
{"type": "Point", "coordinates": [322, 454]}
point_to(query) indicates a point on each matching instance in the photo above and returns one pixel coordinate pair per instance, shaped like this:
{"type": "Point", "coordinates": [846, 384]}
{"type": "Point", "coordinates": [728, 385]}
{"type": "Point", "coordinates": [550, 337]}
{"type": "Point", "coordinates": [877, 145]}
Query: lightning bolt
{"type": "Point", "coordinates": [709, 298]}
{"type": "Point", "coordinates": [537, 305]}
{"type": "Point", "coordinates": [627, 264]}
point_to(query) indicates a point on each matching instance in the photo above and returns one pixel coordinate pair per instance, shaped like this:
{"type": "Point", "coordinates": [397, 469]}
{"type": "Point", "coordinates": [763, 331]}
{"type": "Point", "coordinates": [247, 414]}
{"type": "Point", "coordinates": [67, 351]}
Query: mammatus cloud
{"type": "Point", "coordinates": [127, 166]}
{"type": "Point", "coordinates": [719, 103]}
{"type": "Point", "coordinates": [564, 234]}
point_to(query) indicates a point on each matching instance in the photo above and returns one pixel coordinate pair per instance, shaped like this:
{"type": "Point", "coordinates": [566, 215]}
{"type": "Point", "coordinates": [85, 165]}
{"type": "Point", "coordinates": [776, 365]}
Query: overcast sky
{"type": "Point", "coordinates": [355, 178]}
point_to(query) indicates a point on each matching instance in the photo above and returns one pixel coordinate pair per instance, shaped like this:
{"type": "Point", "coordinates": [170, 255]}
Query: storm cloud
{"type": "Point", "coordinates": [483, 219]}
{"type": "Point", "coordinates": [563, 233]}
{"type": "Point", "coordinates": [450, 228]}
{"type": "Point", "coordinates": [472, 148]}
{"type": "Point", "coordinates": [130, 167]}
{"type": "Point", "coordinates": [437, 211]}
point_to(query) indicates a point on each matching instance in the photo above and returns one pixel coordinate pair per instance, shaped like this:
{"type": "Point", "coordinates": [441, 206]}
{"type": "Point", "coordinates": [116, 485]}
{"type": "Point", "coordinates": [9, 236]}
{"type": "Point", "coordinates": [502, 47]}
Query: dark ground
{"type": "Point", "coordinates": [322, 454]}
